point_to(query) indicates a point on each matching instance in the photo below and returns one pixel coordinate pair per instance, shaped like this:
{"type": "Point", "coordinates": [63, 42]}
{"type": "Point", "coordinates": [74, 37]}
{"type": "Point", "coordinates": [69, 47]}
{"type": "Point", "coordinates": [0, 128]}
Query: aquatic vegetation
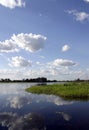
{"type": "Point", "coordinates": [69, 90]}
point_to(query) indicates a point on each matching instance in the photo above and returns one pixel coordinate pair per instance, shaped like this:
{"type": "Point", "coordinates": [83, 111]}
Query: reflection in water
{"type": "Point", "coordinates": [25, 111]}
{"type": "Point", "coordinates": [30, 121]}
{"type": "Point", "coordinates": [6, 119]}
{"type": "Point", "coordinates": [14, 88]}
{"type": "Point", "coordinates": [65, 116]}
{"type": "Point", "coordinates": [16, 96]}
{"type": "Point", "coordinates": [50, 99]}
{"type": "Point", "coordinates": [58, 100]}
{"type": "Point", "coordinates": [19, 101]}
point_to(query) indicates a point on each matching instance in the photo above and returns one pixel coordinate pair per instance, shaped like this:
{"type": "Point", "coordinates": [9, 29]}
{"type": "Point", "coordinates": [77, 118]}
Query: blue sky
{"type": "Point", "coordinates": [44, 38]}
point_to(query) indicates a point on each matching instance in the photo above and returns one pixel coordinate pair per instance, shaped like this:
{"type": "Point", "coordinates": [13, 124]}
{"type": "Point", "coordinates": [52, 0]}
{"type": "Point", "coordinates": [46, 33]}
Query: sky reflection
{"type": "Point", "coordinates": [30, 121]}
{"type": "Point", "coordinates": [13, 95]}
{"type": "Point", "coordinates": [25, 111]}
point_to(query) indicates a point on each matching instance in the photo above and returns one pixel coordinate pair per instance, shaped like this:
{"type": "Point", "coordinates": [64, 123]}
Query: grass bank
{"type": "Point", "coordinates": [67, 90]}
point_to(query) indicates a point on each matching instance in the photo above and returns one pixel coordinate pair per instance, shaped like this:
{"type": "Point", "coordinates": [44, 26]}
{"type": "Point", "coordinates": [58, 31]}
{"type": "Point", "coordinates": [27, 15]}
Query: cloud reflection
{"type": "Point", "coordinates": [65, 116]}
{"type": "Point", "coordinates": [53, 99]}
{"type": "Point", "coordinates": [30, 121]}
{"type": "Point", "coordinates": [6, 118]}
{"type": "Point", "coordinates": [19, 101]}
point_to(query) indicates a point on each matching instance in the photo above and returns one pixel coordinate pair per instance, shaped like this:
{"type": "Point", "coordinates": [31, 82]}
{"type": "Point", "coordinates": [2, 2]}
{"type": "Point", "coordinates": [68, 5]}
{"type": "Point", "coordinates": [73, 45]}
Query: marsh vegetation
{"type": "Point", "coordinates": [69, 90]}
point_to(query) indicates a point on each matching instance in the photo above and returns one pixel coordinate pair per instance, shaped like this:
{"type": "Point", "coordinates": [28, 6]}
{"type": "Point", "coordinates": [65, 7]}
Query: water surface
{"type": "Point", "coordinates": [25, 111]}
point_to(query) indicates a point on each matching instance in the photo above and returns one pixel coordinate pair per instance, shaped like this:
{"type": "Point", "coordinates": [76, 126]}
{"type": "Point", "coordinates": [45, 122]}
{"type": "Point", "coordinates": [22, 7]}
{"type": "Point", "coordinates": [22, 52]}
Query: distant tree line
{"type": "Point", "coordinates": [39, 79]}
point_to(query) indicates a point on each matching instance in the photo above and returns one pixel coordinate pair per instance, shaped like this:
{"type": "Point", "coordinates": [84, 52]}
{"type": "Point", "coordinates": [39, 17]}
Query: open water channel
{"type": "Point", "coordinates": [20, 110]}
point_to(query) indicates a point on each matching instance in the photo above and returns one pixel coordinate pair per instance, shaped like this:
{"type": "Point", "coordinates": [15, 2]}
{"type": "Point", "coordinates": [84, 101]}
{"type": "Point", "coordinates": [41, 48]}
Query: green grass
{"type": "Point", "coordinates": [67, 90]}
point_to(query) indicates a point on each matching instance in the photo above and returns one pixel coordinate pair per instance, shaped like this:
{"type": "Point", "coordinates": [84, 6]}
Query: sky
{"type": "Point", "coordinates": [44, 38]}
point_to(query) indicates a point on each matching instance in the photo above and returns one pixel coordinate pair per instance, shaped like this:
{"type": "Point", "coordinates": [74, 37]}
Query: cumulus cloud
{"type": "Point", "coordinates": [12, 74]}
{"type": "Point", "coordinates": [63, 62]}
{"type": "Point", "coordinates": [50, 71]}
{"type": "Point", "coordinates": [30, 42]}
{"type": "Point", "coordinates": [12, 3]}
{"type": "Point", "coordinates": [59, 69]}
{"type": "Point", "coordinates": [79, 16]}
{"type": "Point", "coordinates": [8, 46]}
{"type": "Point", "coordinates": [38, 63]}
{"type": "Point", "coordinates": [86, 0]}
{"type": "Point", "coordinates": [65, 48]}
{"type": "Point", "coordinates": [19, 61]}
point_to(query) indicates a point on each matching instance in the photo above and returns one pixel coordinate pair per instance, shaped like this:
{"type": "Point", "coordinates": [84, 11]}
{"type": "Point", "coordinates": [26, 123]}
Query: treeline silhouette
{"type": "Point", "coordinates": [39, 79]}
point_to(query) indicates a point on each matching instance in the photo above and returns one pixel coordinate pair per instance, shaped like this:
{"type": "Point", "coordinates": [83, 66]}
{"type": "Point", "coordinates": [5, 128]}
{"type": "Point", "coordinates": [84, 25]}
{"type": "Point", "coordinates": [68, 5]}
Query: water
{"type": "Point", "coordinates": [20, 110]}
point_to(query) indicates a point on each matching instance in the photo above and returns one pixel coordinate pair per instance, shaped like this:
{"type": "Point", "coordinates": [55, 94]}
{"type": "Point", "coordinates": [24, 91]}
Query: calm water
{"type": "Point", "coordinates": [20, 110]}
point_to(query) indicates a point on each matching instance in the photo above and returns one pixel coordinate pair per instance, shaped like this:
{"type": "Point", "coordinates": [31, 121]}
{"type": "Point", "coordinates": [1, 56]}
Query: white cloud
{"type": "Point", "coordinates": [47, 70]}
{"type": "Point", "coordinates": [12, 74]}
{"type": "Point", "coordinates": [30, 42]}
{"type": "Point", "coordinates": [8, 46]}
{"type": "Point", "coordinates": [38, 63]}
{"type": "Point", "coordinates": [59, 69]}
{"type": "Point", "coordinates": [79, 16]}
{"type": "Point", "coordinates": [19, 61]}
{"type": "Point", "coordinates": [12, 3]}
{"type": "Point", "coordinates": [63, 62]}
{"type": "Point", "coordinates": [86, 0]}
{"type": "Point", "coordinates": [65, 48]}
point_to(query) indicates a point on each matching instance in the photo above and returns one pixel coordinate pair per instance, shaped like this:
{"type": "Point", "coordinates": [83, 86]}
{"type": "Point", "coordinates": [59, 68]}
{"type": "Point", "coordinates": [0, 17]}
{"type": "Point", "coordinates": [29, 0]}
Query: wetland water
{"type": "Point", "coordinates": [25, 111]}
